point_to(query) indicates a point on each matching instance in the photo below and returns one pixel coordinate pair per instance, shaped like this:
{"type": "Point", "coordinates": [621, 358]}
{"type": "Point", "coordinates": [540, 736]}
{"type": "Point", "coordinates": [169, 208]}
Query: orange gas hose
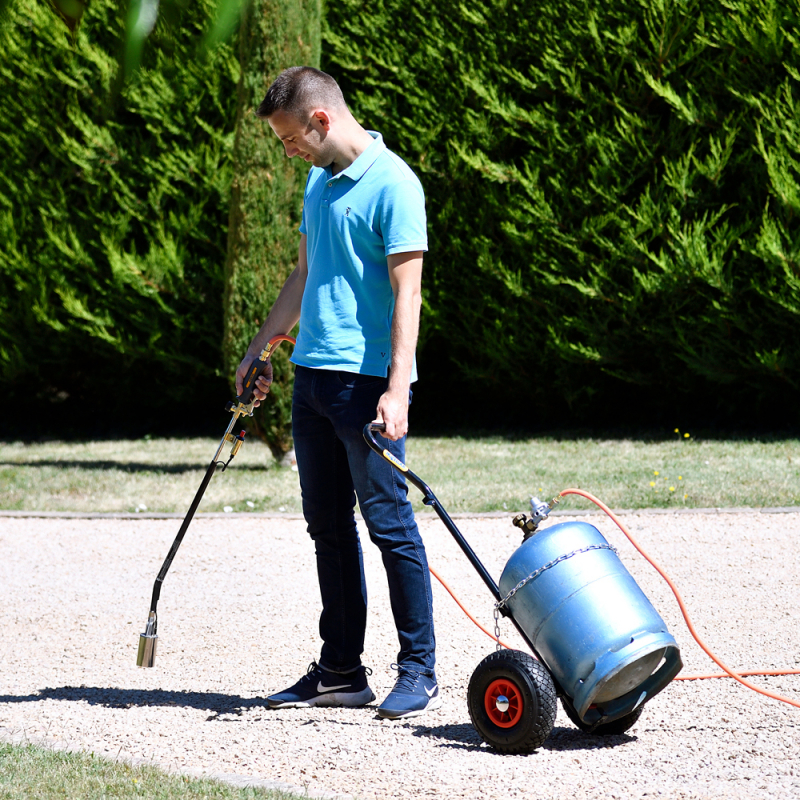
{"type": "Point", "coordinates": [282, 337]}
{"type": "Point", "coordinates": [728, 673]}
{"type": "Point", "coordinates": [740, 672]}
{"type": "Point", "coordinates": [461, 606]}
{"type": "Point", "coordinates": [727, 670]}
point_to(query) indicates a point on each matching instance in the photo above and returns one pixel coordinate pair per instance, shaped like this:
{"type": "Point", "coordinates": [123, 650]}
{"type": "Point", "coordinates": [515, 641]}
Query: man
{"type": "Point", "coordinates": [356, 292]}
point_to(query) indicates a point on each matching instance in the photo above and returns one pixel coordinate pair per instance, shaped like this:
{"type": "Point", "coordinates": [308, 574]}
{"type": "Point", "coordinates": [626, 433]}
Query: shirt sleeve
{"type": "Point", "coordinates": [404, 224]}
{"type": "Point", "coordinates": [303, 228]}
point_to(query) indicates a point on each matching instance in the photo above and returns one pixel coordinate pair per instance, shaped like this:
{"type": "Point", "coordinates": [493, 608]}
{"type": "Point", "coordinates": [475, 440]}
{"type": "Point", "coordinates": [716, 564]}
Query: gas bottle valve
{"type": "Point", "coordinates": [540, 511]}
{"type": "Point", "coordinates": [527, 525]}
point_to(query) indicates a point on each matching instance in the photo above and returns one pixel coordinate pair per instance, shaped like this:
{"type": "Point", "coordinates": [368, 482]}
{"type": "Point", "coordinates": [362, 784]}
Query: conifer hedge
{"type": "Point", "coordinates": [612, 199]}
{"type": "Point", "coordinates": [113, 213]}
{"type": "Point", "coordinates": [267, 199]}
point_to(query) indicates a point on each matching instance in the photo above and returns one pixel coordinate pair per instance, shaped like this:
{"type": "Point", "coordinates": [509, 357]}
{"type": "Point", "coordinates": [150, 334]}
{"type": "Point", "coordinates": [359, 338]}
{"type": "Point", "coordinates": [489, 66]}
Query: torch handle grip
{"type": "Point", "coordinates": [258, 366]}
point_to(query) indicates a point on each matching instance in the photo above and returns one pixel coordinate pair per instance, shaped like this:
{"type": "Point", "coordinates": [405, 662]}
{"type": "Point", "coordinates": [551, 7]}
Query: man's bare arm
{"type": "Point", "coordinates": [405, 274]}
{"type": "Point", "coordinates": [282, 318]}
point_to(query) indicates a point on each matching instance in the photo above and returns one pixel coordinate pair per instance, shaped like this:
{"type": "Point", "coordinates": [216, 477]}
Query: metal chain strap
{"type": "Point", "coordinates": [535, 574]}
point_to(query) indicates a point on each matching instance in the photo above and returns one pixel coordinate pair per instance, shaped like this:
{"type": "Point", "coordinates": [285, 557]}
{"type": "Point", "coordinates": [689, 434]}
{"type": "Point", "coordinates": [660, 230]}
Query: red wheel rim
{"type": "Point", "coordinates": [502, 687]}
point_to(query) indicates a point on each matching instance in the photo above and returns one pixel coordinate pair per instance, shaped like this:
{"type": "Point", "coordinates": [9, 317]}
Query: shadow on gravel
{"type": "Point", "coordinates": [130, 466]}
{"type": "Point", "coordinates": [128, 698]}
{"type": "Point", "coordinates": [461, 737]}
{"type": "Point", "coordinates": [562, 739]}
{"type": "Point", "coordinates": [465, 737]}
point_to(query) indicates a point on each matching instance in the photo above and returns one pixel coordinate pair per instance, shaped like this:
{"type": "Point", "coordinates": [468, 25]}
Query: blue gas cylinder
{"type": "Point", "coordinates": [596, 631]}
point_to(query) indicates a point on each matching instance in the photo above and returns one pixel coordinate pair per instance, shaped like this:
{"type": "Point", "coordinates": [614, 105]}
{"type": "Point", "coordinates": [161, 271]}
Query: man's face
{"type": "Point", "coordinates": [304, 139]}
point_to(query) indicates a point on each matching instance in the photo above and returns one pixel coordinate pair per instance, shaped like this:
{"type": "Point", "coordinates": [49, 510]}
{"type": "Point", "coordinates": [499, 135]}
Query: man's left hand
{"type": "Point", "coordinates": [393, 412]}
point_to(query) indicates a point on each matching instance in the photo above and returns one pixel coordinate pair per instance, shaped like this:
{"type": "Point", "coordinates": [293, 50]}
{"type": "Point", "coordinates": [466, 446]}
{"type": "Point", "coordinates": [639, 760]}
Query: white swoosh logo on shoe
{"type": "Point", "coordinates": [323, 689]}
{"type": "Point", "coordinates": [430, 692]}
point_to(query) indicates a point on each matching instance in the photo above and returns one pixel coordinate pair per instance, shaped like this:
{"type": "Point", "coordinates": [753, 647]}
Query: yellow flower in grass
{"type": "Point", "coordinates": [652, 483]}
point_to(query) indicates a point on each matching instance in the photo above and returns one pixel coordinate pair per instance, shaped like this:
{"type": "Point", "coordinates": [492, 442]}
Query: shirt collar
{"type": "Point", "coordinates": [365, 159]}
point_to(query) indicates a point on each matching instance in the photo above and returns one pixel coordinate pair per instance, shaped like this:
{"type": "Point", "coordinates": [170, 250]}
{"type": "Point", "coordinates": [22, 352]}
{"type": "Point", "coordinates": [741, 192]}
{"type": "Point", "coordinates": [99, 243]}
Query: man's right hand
{"type": "Point", "coordinates": [261, 387]}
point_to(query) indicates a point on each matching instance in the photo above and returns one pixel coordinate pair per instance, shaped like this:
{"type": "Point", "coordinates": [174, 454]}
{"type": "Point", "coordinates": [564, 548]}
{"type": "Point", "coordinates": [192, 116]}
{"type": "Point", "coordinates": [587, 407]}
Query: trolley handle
{"type": "Point", "coordinates": [393, 459]}
{"type": "Point", "coordinates": [430, 499]}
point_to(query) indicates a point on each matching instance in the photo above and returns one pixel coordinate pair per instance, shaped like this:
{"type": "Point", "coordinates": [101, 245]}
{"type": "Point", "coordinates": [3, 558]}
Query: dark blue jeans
{"type": "Point", "coordinates": [335, 466]}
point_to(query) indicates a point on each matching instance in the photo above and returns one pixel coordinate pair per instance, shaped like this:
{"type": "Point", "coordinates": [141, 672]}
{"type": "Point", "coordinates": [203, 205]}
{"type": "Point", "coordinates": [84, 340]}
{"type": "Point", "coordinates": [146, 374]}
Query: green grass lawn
{"type": "Point", "coordinates": [28, 772]}
{"type": "Point", "coordinates": [467, 474]}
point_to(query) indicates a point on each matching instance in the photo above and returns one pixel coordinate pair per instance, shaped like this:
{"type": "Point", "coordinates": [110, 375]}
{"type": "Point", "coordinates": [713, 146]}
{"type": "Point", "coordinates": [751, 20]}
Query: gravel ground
{"type": "Point", "coordinates": [238, 621]}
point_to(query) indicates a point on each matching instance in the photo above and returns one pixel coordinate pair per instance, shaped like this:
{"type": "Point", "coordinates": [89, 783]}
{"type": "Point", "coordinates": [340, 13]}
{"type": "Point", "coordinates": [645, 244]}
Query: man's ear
{"type": "Point", "coordinates": [321, 120]}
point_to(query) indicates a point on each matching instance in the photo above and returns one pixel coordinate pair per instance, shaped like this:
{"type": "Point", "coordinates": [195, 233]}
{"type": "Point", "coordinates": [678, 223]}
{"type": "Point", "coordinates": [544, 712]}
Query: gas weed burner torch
{"type": "Point", "coordinates": [243, 406]}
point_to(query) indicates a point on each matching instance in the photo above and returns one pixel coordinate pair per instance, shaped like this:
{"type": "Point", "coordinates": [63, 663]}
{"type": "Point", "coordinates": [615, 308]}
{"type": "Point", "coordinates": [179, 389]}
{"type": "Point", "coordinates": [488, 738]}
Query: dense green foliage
{"type": "Point", "coordinates": [267, 198]}
{"type": "Point", "coordinates": [113, 210]}
{"type": "Point", "coordinates": [612, 198]}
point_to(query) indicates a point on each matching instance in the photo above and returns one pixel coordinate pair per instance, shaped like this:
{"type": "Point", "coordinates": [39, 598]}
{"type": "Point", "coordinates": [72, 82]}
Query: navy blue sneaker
{"type": "Point", "coordinates": [319, 687]}
{"type": "Point", "coordinates": [413, 694]}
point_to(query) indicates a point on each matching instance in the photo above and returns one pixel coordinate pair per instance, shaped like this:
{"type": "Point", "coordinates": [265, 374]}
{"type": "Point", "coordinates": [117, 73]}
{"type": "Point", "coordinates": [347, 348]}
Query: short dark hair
{"type": "Point", "coordinates": [297, 89]}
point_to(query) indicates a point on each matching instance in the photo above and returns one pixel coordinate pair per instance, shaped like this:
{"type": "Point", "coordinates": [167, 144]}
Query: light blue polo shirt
{"type": "Point", "coordinates": [353, 221]}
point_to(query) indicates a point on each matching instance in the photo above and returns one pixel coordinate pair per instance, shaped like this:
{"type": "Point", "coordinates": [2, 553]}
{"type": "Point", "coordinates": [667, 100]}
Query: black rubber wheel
{"type": "Point", "coordinates": [512, 701]}
{"type": "Point", "coordinates": [614, 728]}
